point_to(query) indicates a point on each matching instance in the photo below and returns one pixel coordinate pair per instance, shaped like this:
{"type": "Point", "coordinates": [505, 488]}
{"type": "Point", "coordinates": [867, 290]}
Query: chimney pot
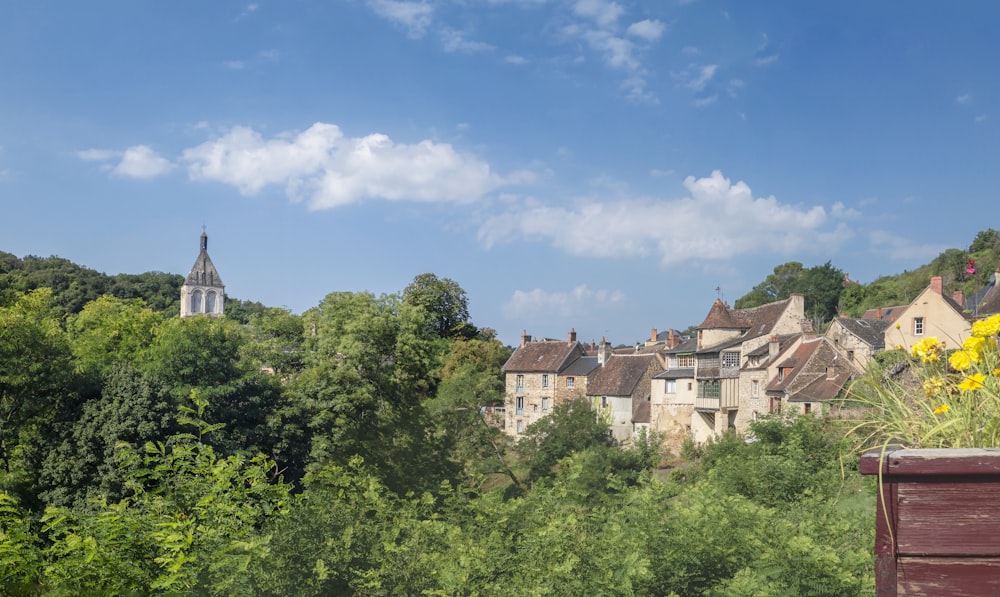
{"type": "Point", "coordinates": [652, 335]}
{"type": "Point", "coordinates": [572, 336]}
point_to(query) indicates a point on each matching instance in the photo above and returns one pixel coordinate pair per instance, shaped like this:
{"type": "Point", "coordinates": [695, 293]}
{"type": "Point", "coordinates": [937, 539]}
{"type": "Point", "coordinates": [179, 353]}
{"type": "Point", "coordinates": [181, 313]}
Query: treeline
{"type": "Point", "coordinates": [828, 292]}
{"type": "Point", "coordinates": [344, 451]}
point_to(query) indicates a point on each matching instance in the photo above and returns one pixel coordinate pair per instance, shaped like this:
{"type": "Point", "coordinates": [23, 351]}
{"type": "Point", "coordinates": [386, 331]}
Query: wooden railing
{"type": "Point", "coordinates": [937, 525]}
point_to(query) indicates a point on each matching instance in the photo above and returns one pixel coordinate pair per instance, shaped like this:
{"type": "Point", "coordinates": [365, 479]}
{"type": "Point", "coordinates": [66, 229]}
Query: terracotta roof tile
{"type": "Point", "coordinates": [619, 375]}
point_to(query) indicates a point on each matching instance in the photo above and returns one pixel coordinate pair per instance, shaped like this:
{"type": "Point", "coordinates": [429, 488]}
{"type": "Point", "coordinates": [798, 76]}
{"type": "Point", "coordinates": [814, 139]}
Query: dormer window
{"type": "Point", "coordinates": [918, 326]}
{"type": "Point", "coordinates": [730, 359]}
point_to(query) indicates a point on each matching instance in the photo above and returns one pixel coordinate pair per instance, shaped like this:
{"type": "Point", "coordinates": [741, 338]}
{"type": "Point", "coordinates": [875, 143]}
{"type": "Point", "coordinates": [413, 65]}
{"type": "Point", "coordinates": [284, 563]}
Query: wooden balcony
{"type": "Point", "coordinates": [701, 403]}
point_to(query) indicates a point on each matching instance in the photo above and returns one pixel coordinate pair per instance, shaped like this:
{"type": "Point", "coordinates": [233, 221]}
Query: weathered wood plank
{"type": "Point", "coordinates": [948, 518]}
{"type": "Point", "coordinates": [952, 577]}
{"type": "Point", "coordinates": [932, 461]}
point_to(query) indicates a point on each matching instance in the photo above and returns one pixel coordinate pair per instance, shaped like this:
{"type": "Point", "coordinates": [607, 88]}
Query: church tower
{"type": "Point", "coordinates": [203, 290]}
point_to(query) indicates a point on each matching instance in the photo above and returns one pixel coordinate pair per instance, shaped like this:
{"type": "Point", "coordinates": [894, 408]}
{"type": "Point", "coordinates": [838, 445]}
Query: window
{"type": "Point", "coordinates": [775, 405]}
{"type": "Point", "coordinates": [730, 359]}
{"type": "Point", "coordinates": [685, 360]}
{"type": "Point", "coordinates": [534, 408]}
{"type": "Point", "coordinates": [545, 404]}
{"type": "Point", "coordinates": [689, 386]}
{"type": "Point", "coordinates": [520, 406]}
{"type": "Point", "coordinates": [570, 381]}
{"type": "Point", "coordinates": [850, 355]}
{"type": "Point", "coordinates": [604, 401]}
{"type": "Point", "coordinates": [520, 426]}
{"type": "Point", "coordinates": [196, 301]}
{"type": "Point", "coordinates": [671, 386]}
{"type": "Point", "coordinates": [808, 407]}
{"type": "Point", "coordinates": [708, 389]}
{"type": "Point", "coordinates": [918, 326]}
{"type": "Point", "coordinates": [781, 374]}
{"type": "Point", "coordinates": [755, 388]}
{"type": "Point", "coordinates": [520, 384]}
{"type": "Point", "coordinates": [210, 302]}
{"type": "Point", "coordinates": [545, 380]}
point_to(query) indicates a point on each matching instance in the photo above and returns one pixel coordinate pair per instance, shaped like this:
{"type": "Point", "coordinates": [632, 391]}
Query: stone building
{"type": "Point", "coordinates": [539, 376]}
{"type": "Point", "coordinates": [203, 292]}
{"type": "Point", "coordinates": [619, 389]}
{"type": "Point", "coordinates": [860, 339]}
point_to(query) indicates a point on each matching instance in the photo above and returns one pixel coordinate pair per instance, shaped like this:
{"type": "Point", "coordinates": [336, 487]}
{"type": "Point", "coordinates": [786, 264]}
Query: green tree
{"type": "Point", "coordinates": [35, 370]}
{"type": "Point", "coordinates": [109, 330]}
{"type": "Point", "coordinates": [572, 427]}
{"type": "Point", "coordinates": [445, 303]}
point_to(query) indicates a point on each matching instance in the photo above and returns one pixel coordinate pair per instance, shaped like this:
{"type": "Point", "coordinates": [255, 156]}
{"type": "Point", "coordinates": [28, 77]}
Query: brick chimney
{"type": "Point", "coordinates": [603, 352]}
{"type": "Point", "coordinates": [772, 347]}
{"type": "Point", "coordinates": [525, 338]}
{"type": "Point", "coordinates": [878, 313]}
{"type": "Point", "coordinates": [571, 338]}
{"type": "Point", "coordinates": [936, 284]}
{"type": "Point", "coordinates": [959, 297]}
{"type": "Point", "coordinates": [652, 335]}
{"type": "Point", "coordinates": [807, 328]}
{"type": "Point", "coordinates": [672, 339]}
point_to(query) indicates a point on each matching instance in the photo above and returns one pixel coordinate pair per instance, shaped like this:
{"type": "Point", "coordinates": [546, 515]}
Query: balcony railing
{"type": "Point", "coordinates": [701, 403]}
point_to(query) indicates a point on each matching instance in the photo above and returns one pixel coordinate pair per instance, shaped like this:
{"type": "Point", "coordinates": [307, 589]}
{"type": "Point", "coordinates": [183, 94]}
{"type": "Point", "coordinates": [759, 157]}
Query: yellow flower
{"type": "Point", "coordinates": [960, 360]}
{"type": "Point", "coordinates": [972, 382]}
{"type": "Point", "coordinates": [987, 328]}
{"type": "Point", "coordinates": [933, 385]}
{"type": "Point", "coordinates": [995, 372]}
{"type": "Point", "coordinates": [942, 409]}
{"type": "Point", "coordinates": [927, 350]}
{"type": "Point", "coordinates": [975, 346]}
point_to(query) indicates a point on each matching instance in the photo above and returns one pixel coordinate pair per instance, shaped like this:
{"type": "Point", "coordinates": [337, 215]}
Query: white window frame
{"type": "Point", "coordinates": [545, 380]}
{"type": "Point", "coordinates": [918, 326]}
{"type": "Point", "coordinates": [671, 386]}
{"type": "Point", "coordinates": [545, 405]}
{"type": "Point", "coordinates": [730, 359]}
{"type": "Point", "coordinates": [570, 382]}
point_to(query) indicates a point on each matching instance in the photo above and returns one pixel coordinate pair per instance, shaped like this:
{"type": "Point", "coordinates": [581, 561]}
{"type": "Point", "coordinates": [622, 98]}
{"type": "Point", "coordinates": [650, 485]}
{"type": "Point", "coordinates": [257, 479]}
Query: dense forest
{"type": "Point", "coordinates": [344, 451]}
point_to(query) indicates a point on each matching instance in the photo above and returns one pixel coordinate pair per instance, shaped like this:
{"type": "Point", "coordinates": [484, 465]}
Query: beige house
{"type": "Point", "coordinates": [858, 338]}
{"type": "Point", "coordinates": [725, 340]}
{"type": "Point", "coordinates": [930, 314]}
{"type": "Point", "coordinates": [672, 394]}
{"type": "Point", "coordinates": [540, 375]}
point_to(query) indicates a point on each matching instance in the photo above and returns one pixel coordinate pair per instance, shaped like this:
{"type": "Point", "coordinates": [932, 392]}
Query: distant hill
{"type": "Point", "coordinates": [828, 293]}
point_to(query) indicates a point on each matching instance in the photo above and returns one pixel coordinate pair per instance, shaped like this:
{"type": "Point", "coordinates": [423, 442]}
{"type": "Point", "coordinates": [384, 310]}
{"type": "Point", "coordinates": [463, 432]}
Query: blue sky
{"type": "Point", "coordinates": [596, 164]}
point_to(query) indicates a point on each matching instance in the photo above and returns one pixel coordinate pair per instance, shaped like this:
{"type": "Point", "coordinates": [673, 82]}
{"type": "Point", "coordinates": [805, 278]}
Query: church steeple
{"type": "Point", "coordinates": [203, 291]}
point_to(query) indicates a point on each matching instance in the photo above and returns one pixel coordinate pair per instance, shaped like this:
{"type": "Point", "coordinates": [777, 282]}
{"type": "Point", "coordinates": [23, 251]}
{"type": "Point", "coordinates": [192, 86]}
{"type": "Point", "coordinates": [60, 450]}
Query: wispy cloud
{"type": "Point", "coordinates": [138, 161]}
{"type": "Point", "coordinates": [703, 102]}
{"type": "Point", "coordinates": [964, 99]}
{"type": "Point", "coordinates": [766, 53]}
{"type": "Point", "coordinates": [696, 77]}
{"type": "Point", "coordinates": [414, 17]}
{"type": "Point", "coordinates": [456, 41]}
{"type": "Point", "coordinates": [674, 231]}
{"type": "Point", "coordinates": [603, 12]}
{"type": "Point", "coordinates": [649, 29]}
{"type": "Point", "coordinates": [581, 300]}
{"type": "Point", "coordinates": [982, 118]}
{"type": "Point", "coordinates": [326, 169]}
{"type": "Point", "coordinates": [514, 59]}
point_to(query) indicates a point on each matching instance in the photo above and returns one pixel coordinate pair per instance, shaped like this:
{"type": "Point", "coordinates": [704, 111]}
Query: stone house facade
{"type": "Point", "coordinates": [619, 389]}
{"type": "Point", "coordinates": [540, 375]}
{"type": "Point", "coordinates": [860, 339]}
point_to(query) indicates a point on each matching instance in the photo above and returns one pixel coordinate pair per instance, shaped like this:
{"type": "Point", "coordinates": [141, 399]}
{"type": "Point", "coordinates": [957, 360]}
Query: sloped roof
{"type": "Point", "coordinates": [619, 375]}
{"type": "Point", "coordinates": [870, 331]}
{"type": "Point", "coordinates": [754, 321]}
{"type": "Point", "coordinates": [680, 373]}
{"type": "Point", "coordinates": [808, 379]}
{"type": "Point", "coordinates": [822, 388]}
{"type": "Point", "coordinates": [581, 366]}
{"type": "Point", "coordinates": [889, 314]}
{"type": "Point", "coordinates": [689, 345]}
{"type": "Point", "coordinates": [720, 317]}
{"type": "Point", "coordinates": [540, 357]}
{"type": "Point", "coordinates": [986, 301]}
{"type": "Point", "coordinates": [203, 272]}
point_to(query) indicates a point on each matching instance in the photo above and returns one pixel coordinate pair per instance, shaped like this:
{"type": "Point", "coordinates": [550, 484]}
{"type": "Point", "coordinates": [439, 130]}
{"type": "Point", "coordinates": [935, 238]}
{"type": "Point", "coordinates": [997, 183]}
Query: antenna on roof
{"type": "Point", "coordinates": [718, 291]}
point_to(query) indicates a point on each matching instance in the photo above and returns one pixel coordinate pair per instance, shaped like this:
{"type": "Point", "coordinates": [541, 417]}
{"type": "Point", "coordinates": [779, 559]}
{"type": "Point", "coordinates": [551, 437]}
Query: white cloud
{"type": "Point", "coordinates": [719, 221]}
{"type": "Point", "coordinates": [327, 169]}
{"type": "Point", "coordinates": [649, 30]}
{"type": "Point", "coordinates": [765, 54]}
{"type": "Point", "coordinates": [656, 172]}
{"type": "Point", "coordinates": [839, 210]}
{"type": "Point", "coordinates": [691, 51]}
{"type": "Point", "coordinates": [964, 99]}
{"type": "Point", "coordinates": [455, 41]}
{"type": "Point", "coordinates": [138, 161]}
{"type": "Point", "coordinates": [982, 117]}
{"type": "Point", "coordinates": [898, 248]}
{"type": "Point", "coordinates": [97, 155]}
{"type": "Point", "coordinates": [702, 102]}
{"type": "Point", "coordinates": [235, 64]}
{"type": "Point", "coordinates": [603, 12]}
{"type": "Point", "coordinates": [415, 17]}
{"type": "Point", "coordinates": [574, 303]}
{"type": "Point", "coordinates": [514, 59]}
{"type": "Point", "coordinates": [699, 78]}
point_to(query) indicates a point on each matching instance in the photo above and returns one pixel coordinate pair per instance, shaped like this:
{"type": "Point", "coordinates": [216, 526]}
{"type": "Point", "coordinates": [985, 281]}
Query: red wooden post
{"type": "Point", "coordinates": [938, 521]}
